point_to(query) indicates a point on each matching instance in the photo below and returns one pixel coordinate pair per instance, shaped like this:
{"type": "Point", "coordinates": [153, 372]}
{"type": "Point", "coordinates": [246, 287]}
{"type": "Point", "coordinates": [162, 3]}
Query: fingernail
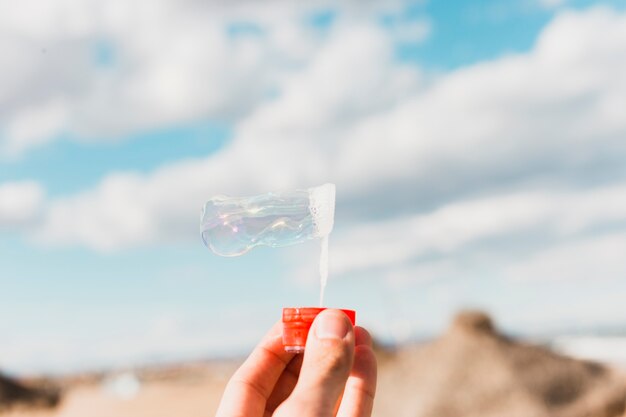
{"type": "Point", "coordinates": [331, 325]}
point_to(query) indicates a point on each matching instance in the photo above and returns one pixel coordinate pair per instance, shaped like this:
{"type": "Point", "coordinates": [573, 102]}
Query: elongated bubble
{"type": "Point", "coordinates": [231, 226]}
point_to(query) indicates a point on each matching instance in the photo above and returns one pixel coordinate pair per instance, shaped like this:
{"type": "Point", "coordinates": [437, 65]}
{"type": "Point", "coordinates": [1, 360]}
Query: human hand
{"type": "Point", "coordinates": [336, 376]}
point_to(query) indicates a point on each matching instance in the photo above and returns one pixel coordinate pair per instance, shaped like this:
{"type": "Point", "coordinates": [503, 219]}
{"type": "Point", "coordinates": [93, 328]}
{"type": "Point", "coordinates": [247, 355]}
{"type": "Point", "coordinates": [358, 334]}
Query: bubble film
{"type": "Point", "coordinates": [231, 226]}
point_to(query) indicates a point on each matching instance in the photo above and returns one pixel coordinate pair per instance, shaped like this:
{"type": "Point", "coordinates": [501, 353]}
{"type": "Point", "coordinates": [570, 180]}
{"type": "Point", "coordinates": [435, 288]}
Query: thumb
{"type": "Point", "coordinates": [327, 362]}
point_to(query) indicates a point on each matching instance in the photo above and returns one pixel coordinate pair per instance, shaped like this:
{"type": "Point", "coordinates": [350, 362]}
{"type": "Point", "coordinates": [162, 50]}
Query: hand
{"type": "Point", "coordinates": [336, 376]}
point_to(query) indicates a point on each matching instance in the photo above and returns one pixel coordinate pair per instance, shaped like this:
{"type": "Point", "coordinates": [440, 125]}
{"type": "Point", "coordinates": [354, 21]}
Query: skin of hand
{"type": "Point", "coordinates": [336, 376]}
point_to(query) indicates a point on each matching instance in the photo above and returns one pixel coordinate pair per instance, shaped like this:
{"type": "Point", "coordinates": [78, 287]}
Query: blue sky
{"type": "Point", "coordinates": [67, 166]}
{"type": "Point", "coordinates": [476, 148]}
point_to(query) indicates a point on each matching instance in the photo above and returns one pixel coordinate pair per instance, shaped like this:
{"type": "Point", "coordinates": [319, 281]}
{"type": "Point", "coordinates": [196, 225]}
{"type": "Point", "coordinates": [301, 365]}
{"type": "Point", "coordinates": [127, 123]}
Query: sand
{"type": "Point", "coordinates": [470, 371]}
{"type": "Point", "coordinates": [176, 391]}
{"type": "Point", "coordinates": [199, 395]}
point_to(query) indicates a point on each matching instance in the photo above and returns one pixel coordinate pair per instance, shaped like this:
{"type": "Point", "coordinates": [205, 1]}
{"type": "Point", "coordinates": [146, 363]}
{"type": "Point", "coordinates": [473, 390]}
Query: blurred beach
{"type": "Point", "coordinates": [471, 370]}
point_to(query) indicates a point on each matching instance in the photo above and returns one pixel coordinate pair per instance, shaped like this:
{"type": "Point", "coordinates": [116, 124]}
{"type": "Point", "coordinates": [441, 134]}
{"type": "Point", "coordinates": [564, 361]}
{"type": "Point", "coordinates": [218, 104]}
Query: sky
{"type": "Point", "coordinates": [478, 150]}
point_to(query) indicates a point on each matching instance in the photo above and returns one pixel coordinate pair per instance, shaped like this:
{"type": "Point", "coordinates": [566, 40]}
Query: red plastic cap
{"type": "Point", "coordinates": [297, 322]}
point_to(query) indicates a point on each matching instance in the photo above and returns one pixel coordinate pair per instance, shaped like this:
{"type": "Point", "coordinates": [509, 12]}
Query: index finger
{"type": "Point", "coordinates": [247, 391]}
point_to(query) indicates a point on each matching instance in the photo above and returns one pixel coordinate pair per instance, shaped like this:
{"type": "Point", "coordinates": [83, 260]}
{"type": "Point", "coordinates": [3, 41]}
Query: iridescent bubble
{"type": "Point", "coordinates": [231, 226]}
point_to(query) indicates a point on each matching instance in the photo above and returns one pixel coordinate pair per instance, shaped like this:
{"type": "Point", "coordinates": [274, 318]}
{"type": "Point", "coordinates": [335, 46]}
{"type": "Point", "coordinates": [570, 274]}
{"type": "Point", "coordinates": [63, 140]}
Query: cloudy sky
{"type": "Point", "coordinates": [479, 152]}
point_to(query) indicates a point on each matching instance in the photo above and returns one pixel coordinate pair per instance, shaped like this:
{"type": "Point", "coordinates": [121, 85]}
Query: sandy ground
{"type": "Point", "coordinates": [195, 393]}
{"type": "Point", "coordinates": [195, 390]}
{"type": "Point", "coordinates": [159, 399]}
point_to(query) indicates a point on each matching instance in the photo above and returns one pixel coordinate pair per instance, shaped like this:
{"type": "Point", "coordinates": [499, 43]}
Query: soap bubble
{"type": "Point", "coordinates": [231, 226]}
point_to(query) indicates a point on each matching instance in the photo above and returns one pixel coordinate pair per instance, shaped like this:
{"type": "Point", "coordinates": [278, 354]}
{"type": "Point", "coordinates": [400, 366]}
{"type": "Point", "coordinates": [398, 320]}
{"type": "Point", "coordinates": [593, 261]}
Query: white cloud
{"type": "Point", "coordinates": [165, 62]}
{"type": "Point", "coordinates": [599, 258]}
{"type": "Point", "coordinates": [355, 117]}
{"type": "Point", "coordinates": [432, 245]}
{"type": "Point", "coordinates": [445, 230]}
{"type": "Point", "coordinates": [274, 150]}
{"type": "Point", "coordinates": [451, 228]}
{"type": "Point", "coordinates": [35, 126]}
{"type": "Point", "coordinates": [551, 109]}
{"type": "Point", "coordinates": [20, 203]}
{"type": "Point", "coordinates": [351, 77]}
{"type": "Point", "coordinates": [170, 62]}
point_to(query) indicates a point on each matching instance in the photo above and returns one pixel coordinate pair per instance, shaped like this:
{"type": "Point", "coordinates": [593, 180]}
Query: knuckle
{"type": "Point", "coordinates": [336, 360]}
